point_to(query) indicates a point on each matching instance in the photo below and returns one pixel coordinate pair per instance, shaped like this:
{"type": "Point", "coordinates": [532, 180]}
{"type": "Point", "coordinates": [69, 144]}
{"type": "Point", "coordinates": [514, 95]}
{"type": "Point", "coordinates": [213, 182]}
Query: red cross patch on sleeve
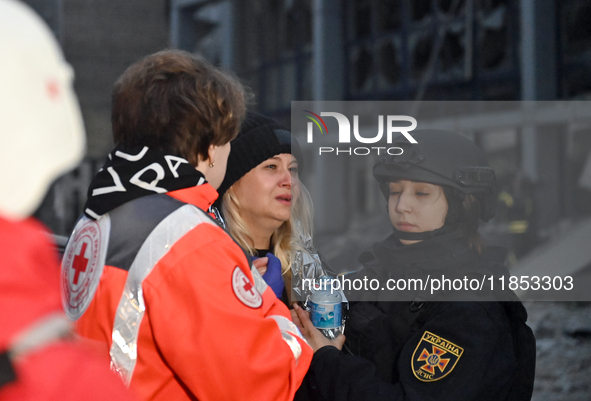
{"type": "Point", "coordinates": [245, 290]}
{"type": "Point", "coordinates": [82, 264]}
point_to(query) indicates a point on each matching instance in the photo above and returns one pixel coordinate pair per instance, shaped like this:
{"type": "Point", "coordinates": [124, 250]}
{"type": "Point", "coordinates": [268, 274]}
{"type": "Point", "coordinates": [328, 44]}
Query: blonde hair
{"type": "Point", "coordinates": [302, 220]}
{"type": "Point", "coordinates": [238, 229]}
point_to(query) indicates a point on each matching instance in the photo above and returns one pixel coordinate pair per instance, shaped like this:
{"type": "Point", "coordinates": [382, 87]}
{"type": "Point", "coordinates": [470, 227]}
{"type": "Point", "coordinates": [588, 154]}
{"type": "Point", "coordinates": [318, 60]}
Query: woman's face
{"type": "Point", "coordinates": [416, 207]}
{"type": "Point", "coordinates": [267, 191]}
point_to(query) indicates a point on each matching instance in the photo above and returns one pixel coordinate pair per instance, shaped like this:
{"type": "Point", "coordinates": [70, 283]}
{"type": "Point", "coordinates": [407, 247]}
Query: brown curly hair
{"type": "Point", "coordinates": [177, 102]}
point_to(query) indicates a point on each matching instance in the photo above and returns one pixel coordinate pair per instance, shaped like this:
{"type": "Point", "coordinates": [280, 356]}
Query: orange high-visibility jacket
{"type": "Point", "coordinates": [206, 332]}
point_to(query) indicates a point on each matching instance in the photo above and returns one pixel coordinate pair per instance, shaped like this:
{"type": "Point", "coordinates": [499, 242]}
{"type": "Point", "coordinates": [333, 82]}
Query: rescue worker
{"type": "Point", "coordinates": [42, 137]}
{"type": "Point", "coordinates": [149, 274]}
{"type": "Point", "coordinates": [437, 190]}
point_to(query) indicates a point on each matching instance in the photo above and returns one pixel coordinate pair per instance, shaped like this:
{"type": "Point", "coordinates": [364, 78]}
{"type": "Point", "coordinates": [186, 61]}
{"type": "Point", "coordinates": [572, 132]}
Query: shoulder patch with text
{"type": "Point", "coordinates": [82, 264]}
{"type": "Point", "coordinates": [434, 358]}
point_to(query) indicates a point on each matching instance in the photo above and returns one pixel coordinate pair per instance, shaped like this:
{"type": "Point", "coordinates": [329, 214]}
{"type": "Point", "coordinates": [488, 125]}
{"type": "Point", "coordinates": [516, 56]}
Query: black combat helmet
{"type": "Point", "coordinates": [442, 158]}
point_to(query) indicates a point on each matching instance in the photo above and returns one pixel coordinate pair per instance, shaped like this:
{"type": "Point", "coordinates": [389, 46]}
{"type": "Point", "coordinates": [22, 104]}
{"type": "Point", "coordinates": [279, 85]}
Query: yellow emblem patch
{"type": "Point", "coordinates": [434, 358]}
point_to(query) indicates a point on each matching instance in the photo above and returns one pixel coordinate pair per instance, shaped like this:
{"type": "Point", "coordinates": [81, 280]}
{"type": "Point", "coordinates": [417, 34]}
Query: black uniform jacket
{"type": "Point", "coordinates": [421, 350]}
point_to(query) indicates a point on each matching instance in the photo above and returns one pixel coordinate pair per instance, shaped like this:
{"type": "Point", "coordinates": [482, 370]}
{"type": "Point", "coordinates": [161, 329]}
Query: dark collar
{"type": "Point", "coordinates": [444, 252]}
{"type": "Point", "coordinates": [436, 250]}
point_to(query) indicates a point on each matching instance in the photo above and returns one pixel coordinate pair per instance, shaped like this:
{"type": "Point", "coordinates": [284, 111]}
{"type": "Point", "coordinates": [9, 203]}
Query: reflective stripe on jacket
{"type": "Point", "coordinates": [206, 332]}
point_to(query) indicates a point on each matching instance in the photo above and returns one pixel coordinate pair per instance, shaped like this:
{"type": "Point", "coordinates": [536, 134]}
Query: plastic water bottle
{"type": "Point", "coordinates": [326, 309]}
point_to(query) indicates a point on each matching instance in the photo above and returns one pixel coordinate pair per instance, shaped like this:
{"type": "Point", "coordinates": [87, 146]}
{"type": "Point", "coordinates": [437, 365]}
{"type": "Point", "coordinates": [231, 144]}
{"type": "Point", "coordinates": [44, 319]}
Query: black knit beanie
{"type": "Point", "coordinates": [259, 139]}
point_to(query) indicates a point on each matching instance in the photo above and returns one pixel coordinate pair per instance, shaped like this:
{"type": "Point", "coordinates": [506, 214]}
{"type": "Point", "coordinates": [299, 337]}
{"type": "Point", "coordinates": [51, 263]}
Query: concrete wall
{"type": "Point", "coordinates": [101, 38]}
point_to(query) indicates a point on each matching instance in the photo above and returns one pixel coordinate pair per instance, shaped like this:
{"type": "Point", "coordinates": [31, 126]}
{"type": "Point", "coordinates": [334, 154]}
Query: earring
{"type": "Point", "coordinates": [211, 164]}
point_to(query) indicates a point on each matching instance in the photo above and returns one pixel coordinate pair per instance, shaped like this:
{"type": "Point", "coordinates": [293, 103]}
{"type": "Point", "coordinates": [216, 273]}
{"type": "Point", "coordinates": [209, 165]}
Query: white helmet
{"type": "Point", "coordinates": [41, 128]}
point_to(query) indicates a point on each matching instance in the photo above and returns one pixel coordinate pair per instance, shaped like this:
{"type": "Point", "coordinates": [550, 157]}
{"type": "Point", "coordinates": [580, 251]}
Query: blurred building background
{"type": "Point", "coordinates": [359, 50]}
{"type": "Point", "coordinates": [287, 50]}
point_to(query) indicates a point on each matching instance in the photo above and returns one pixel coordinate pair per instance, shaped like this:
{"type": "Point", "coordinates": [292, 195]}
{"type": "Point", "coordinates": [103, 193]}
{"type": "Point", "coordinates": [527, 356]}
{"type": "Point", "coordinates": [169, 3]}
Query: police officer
{"type": "Point", "coordinates": [425, 348]}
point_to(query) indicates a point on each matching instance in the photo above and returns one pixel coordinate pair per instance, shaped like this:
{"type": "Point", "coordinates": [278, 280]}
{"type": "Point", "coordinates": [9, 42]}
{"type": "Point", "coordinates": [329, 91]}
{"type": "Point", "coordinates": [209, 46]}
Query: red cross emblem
{"type": "Point", "coordinates": [247, 285]}
{"type": "Point", "coordinates": [53, 89]}
{"type": "Point", "coordinates": [245, 290]}
{"type": "Point", "coordinates": [80, 263]}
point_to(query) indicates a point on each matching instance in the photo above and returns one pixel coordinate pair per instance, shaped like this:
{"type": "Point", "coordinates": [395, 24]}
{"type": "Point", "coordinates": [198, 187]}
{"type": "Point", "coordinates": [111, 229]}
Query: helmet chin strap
{"type": "Point", "coordinates": [425, 235]}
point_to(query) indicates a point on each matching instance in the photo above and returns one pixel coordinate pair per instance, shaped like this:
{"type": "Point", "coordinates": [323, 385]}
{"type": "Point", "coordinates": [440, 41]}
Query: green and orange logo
{"type": "Point", "coordinates": [387, 125]}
